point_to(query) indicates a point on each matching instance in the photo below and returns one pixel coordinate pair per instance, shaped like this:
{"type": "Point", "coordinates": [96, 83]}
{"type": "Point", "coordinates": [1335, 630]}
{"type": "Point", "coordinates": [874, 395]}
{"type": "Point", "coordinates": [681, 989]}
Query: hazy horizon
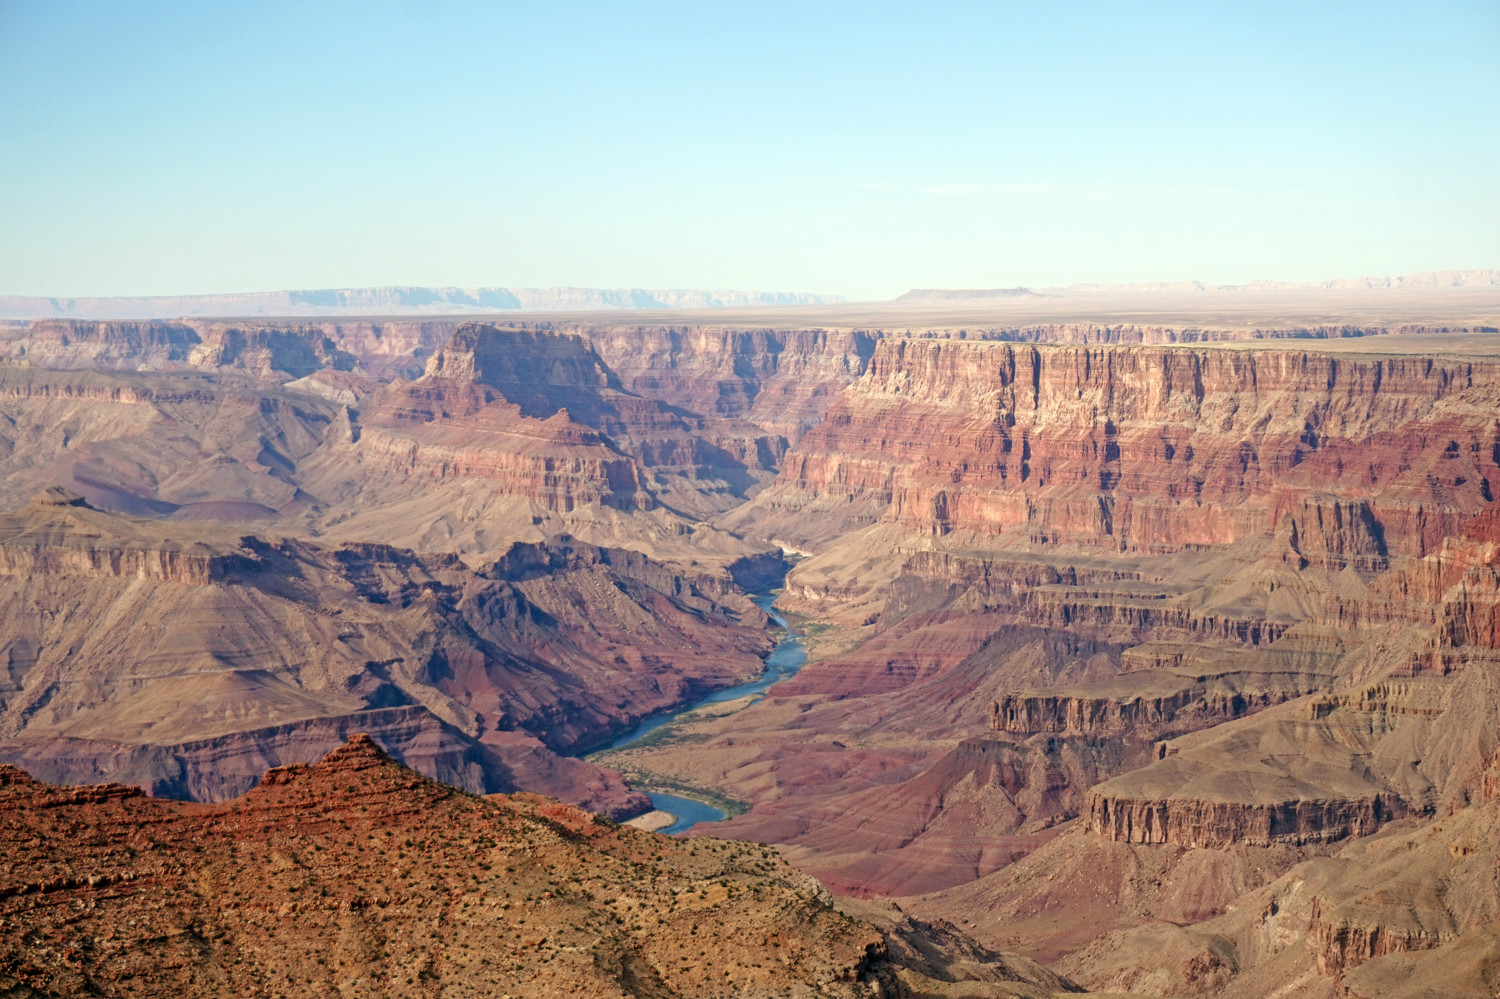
{"type": "Point", "coordinates": [830, 297]}
{"type": "Point", "coordinates": [1076, 285]}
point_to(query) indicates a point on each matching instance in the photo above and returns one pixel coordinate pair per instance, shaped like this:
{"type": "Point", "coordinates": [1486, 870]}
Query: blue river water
{"type": "Point", "coordinates": [689, 811]}
{"type": "Point", "coordinates": [785, 660]}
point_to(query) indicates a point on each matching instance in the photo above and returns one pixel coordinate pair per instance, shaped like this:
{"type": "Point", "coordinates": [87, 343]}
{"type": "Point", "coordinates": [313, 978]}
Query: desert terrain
{"type": "Point", "coordinates": [1153, 641]}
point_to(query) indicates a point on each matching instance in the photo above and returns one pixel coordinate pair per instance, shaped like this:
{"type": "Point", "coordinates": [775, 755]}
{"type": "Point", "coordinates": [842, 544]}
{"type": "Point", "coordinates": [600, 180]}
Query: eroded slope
{"type": "Point", "coordinates": [357, 876]}
{"type": "Point", "coordinates": [172, 657]}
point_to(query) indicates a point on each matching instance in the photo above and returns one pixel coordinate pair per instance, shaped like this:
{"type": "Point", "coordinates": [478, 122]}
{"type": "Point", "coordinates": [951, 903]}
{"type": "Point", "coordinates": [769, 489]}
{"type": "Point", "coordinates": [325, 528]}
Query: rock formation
{"type": "Point", "coordinates": [1150, 449]}
{"type": "Point", "coordinates": [357, 875]}
{"type": "Point", "coordinates": [477, 675]}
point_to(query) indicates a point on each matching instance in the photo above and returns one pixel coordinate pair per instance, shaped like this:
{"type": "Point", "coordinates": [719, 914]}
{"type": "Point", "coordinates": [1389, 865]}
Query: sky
{"type": "Point", "coordinates": [841, 148]}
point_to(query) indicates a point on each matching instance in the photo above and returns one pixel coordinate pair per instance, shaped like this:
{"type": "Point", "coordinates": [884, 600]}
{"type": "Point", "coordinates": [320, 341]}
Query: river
{"type": "Point", "coordinates": [785, 660]}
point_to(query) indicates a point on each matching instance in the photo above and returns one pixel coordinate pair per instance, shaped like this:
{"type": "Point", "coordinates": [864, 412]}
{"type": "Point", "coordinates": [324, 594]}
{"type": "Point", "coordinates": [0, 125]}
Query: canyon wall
{"type": "Point", "coordinates": [277, 350]}
{"type": "Point", "coordinates": [1278, 569]}
{"type": "Point", "coordinates": [1152, 449]}
{"type": "Point", "coordinates": [781, 380]}
{"type": "Point", "coordinates": [542, 416]}
{"type": "Point", "coordinates": [181, 444]}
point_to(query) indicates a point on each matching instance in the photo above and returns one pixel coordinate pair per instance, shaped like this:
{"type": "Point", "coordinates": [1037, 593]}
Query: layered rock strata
{"type": "Point", "coordinates": [1153, 449]}
{"type": "Point", "coordinates": [1414, 905]}
{"type": "Point", "coordinates": [781, 380]}
{"type": "Point", "coordinates": [541, 417]}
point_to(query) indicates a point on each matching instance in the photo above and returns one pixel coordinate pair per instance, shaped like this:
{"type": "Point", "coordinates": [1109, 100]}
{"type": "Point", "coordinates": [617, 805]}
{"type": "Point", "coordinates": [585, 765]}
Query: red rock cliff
{"type": "Point", "coordinates": [1153, 448]}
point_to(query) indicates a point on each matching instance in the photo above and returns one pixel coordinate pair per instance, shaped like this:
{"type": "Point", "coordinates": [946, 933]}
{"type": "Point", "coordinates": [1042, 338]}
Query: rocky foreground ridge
{"type": "Point", "coordinates": [358, 877]}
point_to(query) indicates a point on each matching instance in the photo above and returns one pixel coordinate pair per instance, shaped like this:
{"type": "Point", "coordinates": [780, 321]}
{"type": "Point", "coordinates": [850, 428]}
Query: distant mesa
{"type": "Point", "coordinates": [927, 295]}
{"type": "Point", "coordinates": [1425, 280]}
{"type": "Point", "coordinates": [396, 301]}
{"type": "Point", "coordinates": [413, 300]}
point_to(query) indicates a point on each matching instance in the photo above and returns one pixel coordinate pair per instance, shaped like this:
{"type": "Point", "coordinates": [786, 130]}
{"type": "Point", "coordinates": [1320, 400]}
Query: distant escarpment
{"type": "Point", "coordinates": [1479, 278]}
{"type": "Point", "coordinates": [398, 300]}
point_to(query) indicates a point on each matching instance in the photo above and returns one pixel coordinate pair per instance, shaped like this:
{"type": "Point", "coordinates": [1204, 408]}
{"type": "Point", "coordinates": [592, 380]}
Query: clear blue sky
{"type": "Point", "coordinates": [854, 148]}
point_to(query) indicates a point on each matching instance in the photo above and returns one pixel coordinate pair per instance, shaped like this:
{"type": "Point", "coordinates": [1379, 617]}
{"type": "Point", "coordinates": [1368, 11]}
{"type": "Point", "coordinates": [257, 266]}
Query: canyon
{"type": "Point", "coordinates": [1161, 651]}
